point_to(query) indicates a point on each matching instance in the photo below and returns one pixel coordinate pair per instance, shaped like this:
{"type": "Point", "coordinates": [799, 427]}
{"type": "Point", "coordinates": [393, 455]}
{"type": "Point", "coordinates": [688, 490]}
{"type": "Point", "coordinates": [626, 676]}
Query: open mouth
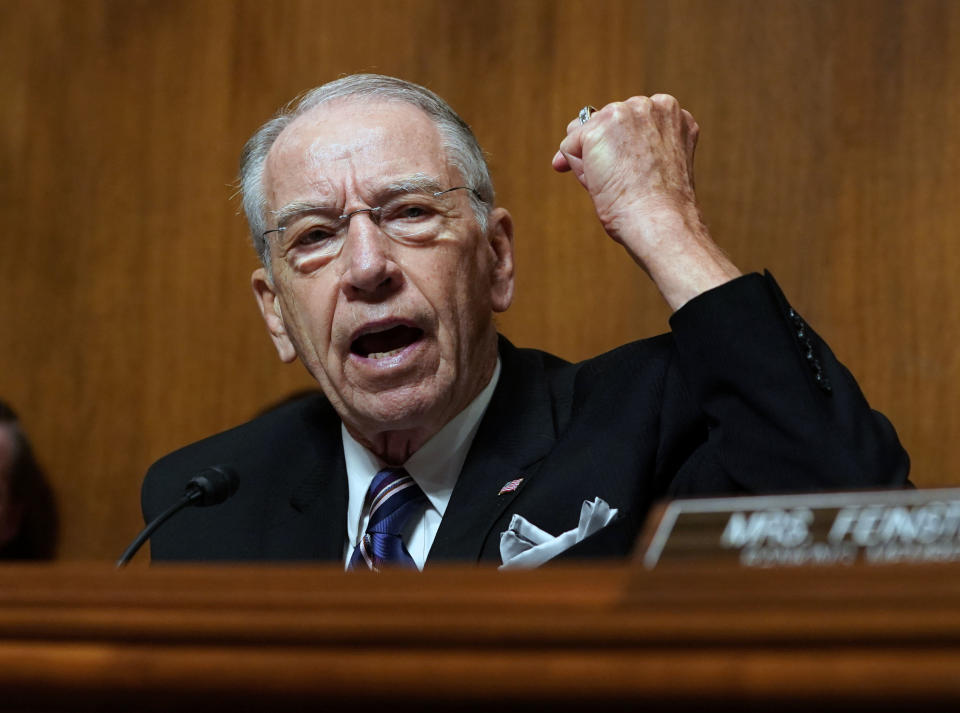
{"type": "Point", "coordinates": [378, 345]}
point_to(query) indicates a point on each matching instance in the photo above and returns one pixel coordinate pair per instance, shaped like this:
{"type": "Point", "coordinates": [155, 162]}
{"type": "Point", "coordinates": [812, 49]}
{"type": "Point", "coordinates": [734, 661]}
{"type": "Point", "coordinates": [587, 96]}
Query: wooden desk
{"type": "Point", "coordinates": [85, 637]}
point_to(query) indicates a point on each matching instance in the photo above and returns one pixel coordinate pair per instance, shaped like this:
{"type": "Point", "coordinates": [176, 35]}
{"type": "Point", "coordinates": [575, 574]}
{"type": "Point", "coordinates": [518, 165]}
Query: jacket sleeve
{"type": "Point", "coordinates": [782, 414]}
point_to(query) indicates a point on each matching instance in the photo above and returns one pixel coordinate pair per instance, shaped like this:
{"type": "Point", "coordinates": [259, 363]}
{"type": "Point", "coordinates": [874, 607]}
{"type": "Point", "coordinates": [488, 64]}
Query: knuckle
{"type": "Point", "coordinates": [638, 106]}
{"type": "Point", "coordinates": [665, 100]}
{"type": "Point", "coordinates": [637, 102]}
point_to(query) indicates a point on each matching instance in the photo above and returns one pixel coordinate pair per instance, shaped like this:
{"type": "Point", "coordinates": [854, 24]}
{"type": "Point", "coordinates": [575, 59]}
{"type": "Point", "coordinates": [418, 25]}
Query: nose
{"type": "Point", "coordinates": [368, 266]}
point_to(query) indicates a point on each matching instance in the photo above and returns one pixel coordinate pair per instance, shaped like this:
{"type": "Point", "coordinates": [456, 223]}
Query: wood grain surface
{"type": "Point", "coordinates": [830, 154]}
{"type": "Point", "coordinates": [80, 637]}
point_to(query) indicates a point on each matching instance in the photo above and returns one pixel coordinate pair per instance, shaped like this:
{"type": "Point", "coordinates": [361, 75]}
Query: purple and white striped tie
{"type": "Point", "coordinates": [393, 497]}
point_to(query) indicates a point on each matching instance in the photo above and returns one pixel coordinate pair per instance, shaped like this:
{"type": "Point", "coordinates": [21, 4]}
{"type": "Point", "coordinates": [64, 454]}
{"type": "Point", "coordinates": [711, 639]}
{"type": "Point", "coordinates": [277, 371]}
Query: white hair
{"type": "Point", "coordinates": [463, 151]}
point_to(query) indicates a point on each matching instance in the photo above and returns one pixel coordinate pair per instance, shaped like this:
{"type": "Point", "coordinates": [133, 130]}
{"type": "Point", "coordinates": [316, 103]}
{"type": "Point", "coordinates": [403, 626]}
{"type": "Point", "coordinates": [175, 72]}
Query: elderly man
{"type": "Point", "coordinates": [384, 258]}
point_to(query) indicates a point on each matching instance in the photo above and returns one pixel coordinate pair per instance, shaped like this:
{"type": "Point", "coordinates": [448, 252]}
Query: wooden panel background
{"type": "Point", "coordinates": [830, 154]}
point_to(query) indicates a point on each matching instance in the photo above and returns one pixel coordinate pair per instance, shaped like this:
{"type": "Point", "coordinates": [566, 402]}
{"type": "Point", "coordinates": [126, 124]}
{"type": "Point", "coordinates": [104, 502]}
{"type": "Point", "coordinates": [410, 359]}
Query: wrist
{"type": "Point", "coordinates": [676, 250]}
{"type": "Point", "coordinates": [657, 231]}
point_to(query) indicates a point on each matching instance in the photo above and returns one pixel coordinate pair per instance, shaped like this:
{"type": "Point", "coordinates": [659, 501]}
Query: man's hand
{"type": "Point", "coordinates": [635, 158]}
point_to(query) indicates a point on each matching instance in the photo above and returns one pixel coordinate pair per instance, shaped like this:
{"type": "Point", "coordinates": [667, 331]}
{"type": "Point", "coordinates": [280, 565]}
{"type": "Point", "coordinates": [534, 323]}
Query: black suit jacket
{"type": "Point", "coordinates": [742, 397]}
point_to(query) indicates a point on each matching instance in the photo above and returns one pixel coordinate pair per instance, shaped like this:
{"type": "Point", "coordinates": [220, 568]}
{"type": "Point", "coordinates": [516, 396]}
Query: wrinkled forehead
{"type": "Point", "coordinates": [351, 146]}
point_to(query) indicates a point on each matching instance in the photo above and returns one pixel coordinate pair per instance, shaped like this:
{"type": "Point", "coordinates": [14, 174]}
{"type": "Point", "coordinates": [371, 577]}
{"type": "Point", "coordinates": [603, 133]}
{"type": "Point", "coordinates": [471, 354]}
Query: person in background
{"type": "Point", "coordinates": [28, 519]}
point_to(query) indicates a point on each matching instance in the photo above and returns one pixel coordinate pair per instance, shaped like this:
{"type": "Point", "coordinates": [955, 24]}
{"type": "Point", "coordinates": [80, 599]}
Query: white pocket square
{"type": "Point", "coordinates": [524, 545]}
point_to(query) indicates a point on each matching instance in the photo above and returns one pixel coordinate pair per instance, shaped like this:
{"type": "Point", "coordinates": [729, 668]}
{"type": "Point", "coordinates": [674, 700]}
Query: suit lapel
{"type": "Point", "coordinates": [314, 515]}
{"type": "Point", "coordinates": [517, 432]}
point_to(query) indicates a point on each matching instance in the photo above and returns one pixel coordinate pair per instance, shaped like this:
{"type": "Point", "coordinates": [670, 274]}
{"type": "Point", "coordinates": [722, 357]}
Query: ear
{"type": "Point", "coordinates": [269, 303]}
{"type": "Point", "coordinates": [500, 237]}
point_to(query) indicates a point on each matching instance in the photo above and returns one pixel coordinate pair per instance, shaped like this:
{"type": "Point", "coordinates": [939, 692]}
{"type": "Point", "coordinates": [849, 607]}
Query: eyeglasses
{"type": "Point", "coordinates": [409, 217]}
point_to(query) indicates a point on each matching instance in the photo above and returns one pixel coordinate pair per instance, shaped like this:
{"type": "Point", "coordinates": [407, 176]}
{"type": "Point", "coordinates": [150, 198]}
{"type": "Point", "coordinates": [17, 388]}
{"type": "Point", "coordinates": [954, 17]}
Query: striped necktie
{"type": "Point", "coordinates": [393, 497]}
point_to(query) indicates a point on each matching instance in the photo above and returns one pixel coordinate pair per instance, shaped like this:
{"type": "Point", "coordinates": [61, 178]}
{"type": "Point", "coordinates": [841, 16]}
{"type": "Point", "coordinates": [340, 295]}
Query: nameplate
{"type": "Point", "coordinates": [872, 527]}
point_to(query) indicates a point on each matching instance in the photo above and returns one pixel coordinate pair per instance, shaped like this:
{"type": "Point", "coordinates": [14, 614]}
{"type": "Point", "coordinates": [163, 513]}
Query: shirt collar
{"type": "Point", "coordinates": [435, 466]}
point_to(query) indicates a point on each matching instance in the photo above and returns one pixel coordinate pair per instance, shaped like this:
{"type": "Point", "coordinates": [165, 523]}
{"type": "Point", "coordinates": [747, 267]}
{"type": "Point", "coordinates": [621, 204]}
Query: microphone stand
{"type": "Point", "coordinates": [193, 494]}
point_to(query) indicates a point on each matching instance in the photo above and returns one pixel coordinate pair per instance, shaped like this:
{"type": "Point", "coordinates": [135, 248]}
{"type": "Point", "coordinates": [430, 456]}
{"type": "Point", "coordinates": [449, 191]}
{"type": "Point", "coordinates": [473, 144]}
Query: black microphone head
{"type": "Point", "coordinates": [213, 485]}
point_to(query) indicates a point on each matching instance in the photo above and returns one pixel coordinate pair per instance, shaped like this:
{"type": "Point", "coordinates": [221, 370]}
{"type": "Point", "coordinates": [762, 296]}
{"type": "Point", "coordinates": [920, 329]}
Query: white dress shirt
{"type": "Point", "coordinates": [435, 467]}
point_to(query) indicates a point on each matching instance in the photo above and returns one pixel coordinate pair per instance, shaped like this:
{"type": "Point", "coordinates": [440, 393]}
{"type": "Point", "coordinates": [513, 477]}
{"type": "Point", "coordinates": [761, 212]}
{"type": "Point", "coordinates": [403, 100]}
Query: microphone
{"type": "Point", "coordinates": [211, 486]}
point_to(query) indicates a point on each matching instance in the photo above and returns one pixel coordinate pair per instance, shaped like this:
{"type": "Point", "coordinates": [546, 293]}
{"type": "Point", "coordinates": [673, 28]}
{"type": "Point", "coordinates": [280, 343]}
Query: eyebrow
{"type": "Point", "coordinates": [292, 210]}
{"type": "Point", "coordinates": [417, 183]}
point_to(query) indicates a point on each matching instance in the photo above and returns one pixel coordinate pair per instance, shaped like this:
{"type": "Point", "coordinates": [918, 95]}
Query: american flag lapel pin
{"type": "Point", "coordinates": [511, 486]}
